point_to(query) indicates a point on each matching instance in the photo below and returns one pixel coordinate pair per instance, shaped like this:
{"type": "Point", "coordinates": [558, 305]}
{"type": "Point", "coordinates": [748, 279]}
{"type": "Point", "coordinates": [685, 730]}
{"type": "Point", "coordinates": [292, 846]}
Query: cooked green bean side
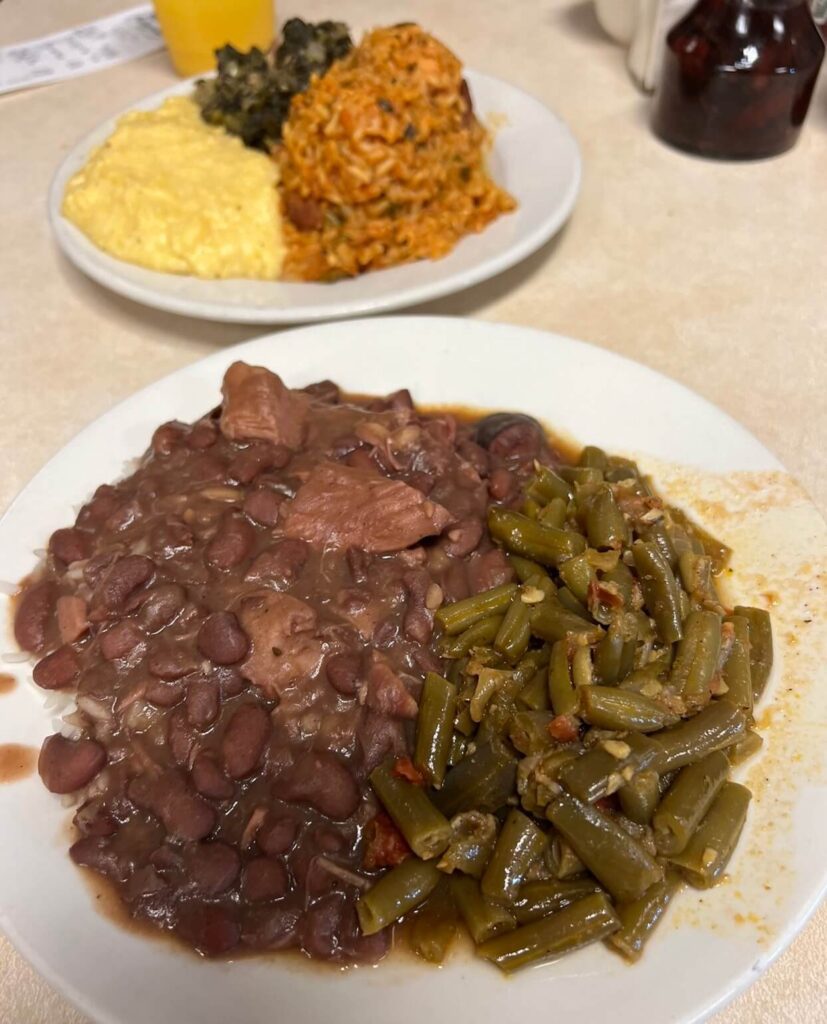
{"type": "Point", "coordinates": [576, 748]}
{"type": "Point", "coordinates": [588, 920]}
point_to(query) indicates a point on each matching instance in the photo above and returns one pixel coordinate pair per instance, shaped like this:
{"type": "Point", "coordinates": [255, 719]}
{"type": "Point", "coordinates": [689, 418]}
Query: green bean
{"type": "Point", "coordinates": [595, 457]}
{"type": "Point", "coordinates": [425, 829]}
{"type": "Point", "coordinates": [661, 593]}
{"type": "Point", "coordinates": [745, 748]}
{"type": "Point", "coordinates": [582, 674]}
{"type": "Point", "coordinates": [518, 845]}
{"type": "Point", "coordinates": [526, 569]}
{"type": "Point", "coordinates": [482, 781]}
{"type": "Point", "coordinates": [525, 537]}
{"type": "Point", "coordinates": [696, 575]}
{"type": "Point", "coordinates": [639, 919]}
{"type": "Point", "coordinates": [489, 680]}
{"type": "Point", "coordinates": [616, 860]}
{"type": "Point", "coordinates": [569, 602]}
{"type": "Point", "coordinates": [473, 835]}
{"type": "Point", "coordinates": [529, 665]}
{"type": "Point", "coordinates": [537, 777]}
{"type": "Point", "coordinates": [457, 617]}
{"type": "Point", "coordinates": [554, 514]}
{"type": "Point", "coordinates": [599, 771]}
{"type": "Point", "coordinates": [564, 697]}
{"type": "Point", "coordinates": [396, 893]}
{"type": "Point", "coordinates": [539, 899]}
{"type": "Point", "coordinates": [586, 921]}
{"type": "Point", "coordinates": [577, 574]}
{"type": "Point", "coordinates": [528, 731]}
{"type": "Point", "coordinates": [686, 802]}
{"type": "Point", "coordinates": [534, 695]}
{"type": "Point", "coordinates": [515, 631]}
{"type": "Point", "coordinates": [610, 708]}
{"type": "Point", "coordinates": [696, 661]}
{"type": "Point", "coordinates": [530, 508]}
{"type": "Point", "coordinates": [459, 744]}
{"type": "Point", "coordinates": [548, 485]}
{"type": "Point", "coordinates": [582, 475]}
{"type": "Point", "coordinates": [658, 534]}
{"type": "Point", "coordinates": [608, 655]}
{"type": "Point", "coordinates": [718, 725]}
{"type": "Point", "coordinates": [622, 468]}
{"type": "Point", "coordinates": [736, 672]}
{"type": "Point", "coordinates": [435, 727]}
{"type": "Point", "coordinates": [482, 918]}
{"type": "Point", "coordinates": [550, 621]}
{"type": "Point", "coordinates": [623, 579]}
{"type": "Point", "coordinates": [760, 646]}
{"type": "Point", "coordinates": [481, 633]}
{"type": "Point", "coordinates": [639, 797]}
{"type": "Point", "coordinates": [605, 525]}
{"type": "Point", "coordinates": [565, 862]}
{"type": "Point", "coordinates": [434, 925]}
{"type": "Point", "coordinates": [709, 850]}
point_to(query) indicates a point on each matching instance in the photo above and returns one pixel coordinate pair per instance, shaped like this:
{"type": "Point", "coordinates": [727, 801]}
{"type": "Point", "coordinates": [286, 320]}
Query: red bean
{"type": "Point", "coordinates": [463, 537]}
{"type": "Point", "coordinates": [489, 570]}
{"type": "Point", "coordinates": [97, 853]}
{"type": "Point", "coordinates": [230, 681]}
{"type": "Point", "coordinates": [222, 640]}
{"type": "Point", "coordinates": [211, 929]}
{"type": "Point", "coordinates": [263, 505]}
{"type": "Point", "coordinates": [344, 671]}
{"type": "Point", "coordinates": [209, 780]}
{"type": "Point", "coordinates": [232, 544]}
{"type": "Point", "coordinates": [72, 618]}
{"type": "Point", "coordinates": [264, 879]}
{"type": "Point", "coordinates": [167, 438]}
{"type": "Point", "coordinates": [160, 606]}
{"type": "Point", "coordinates": [321, 926]}
{"type": "Point", "coordinates": [104, 502]}
{"type": "Point", "coordinates": [120, 640]}
{"type": "Point", "coordinates": [34, 612]}
{"type": "Point", "coordinates": [125, 576]}
{"type": "Point", "coordinates": [165, 694]}
{"type": "Point", "coordinates": [180, 737]}
{"type": "Point", "coordinates": [70, 545]}
{"type": "Point", "coordinates": [213, 867]}
{"type": "Point", "coordinates": [244, 740]}
{"type": "Point", "coordinates": [203, 702]}
{"type": "Point", "coordinates": [57, 670]}
{"type": "Point", "coordinates": [324, 782]}
{"type": "Point", "coordinates": [184, 814]}
{"type": "Point", "coordinates": [204, 434]}
{"type": "Point", "coordinates": [418, 621]}
{"type": "Point", "coordinates": [169, 663]}
{"type": "Point", "coordinates": [257, 457]}
{"type": "Point", "coordinates": [476, 455]}
{"type": "Point", "coordinates": [277, 835]}
{"type": "Point", "coordinates": [67, 765]}
{"type": "Point", "coordinates": [169, 539]}
{"type": "Point", "coordinates": [500, 484]}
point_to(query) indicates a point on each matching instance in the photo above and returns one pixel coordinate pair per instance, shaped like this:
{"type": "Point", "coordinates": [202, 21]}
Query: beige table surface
{"type": "Point", "coordinates": [710, 273]}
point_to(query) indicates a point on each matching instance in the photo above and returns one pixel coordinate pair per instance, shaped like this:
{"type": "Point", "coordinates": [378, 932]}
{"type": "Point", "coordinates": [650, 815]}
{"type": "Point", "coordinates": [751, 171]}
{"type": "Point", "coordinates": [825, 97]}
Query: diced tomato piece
{"type": "Point", "coordinates": [404, 768]}
{"type": "Point", "coordinates": [385, 847]}
{"type": "Point", "coordinates": [564, 728]}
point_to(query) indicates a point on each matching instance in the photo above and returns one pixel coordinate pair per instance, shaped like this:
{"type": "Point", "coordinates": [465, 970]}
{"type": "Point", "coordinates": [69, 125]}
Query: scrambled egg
{"type": "Point", "coordinates": [171, 193]}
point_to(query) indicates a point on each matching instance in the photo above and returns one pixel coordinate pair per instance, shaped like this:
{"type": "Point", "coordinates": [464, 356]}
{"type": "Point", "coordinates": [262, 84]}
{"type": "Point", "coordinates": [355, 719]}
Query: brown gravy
{"type": "Point", "coordinates": [7, 683]}
{"type": "Point", "coordinates": [16, 761]}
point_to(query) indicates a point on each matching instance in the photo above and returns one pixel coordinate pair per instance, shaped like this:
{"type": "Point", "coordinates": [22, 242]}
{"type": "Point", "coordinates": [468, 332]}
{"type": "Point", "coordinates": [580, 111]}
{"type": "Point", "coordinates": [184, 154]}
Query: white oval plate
{"type": "Point", "coordinates": [702, 458]}
{"type": "Point", "coordinates": [535, 157]}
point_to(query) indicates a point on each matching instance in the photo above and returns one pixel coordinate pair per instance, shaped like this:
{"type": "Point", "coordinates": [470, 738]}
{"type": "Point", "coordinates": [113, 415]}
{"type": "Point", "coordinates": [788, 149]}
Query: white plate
{"type": "Point", "coordinates": [702, 458]}
{"type": "Point", "coordinates": [535, 157]}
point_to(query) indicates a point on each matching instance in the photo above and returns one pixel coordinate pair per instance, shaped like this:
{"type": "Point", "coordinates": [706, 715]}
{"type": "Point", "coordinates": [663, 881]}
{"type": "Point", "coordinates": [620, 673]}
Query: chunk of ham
{"type": "Point", "coordinates": [281, 632]}
{"type": "Point", "coordinates": [386, 693]}
{"type": "Point", "coordinates": [259, 406]}
{"type": "Point", "coordinates": [343, 506]}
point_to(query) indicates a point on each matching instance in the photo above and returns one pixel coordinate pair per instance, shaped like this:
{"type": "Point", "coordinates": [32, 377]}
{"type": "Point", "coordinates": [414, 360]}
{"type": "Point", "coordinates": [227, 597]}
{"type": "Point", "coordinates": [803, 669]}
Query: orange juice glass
{"type": "Point", "coordinates": [195, 29]}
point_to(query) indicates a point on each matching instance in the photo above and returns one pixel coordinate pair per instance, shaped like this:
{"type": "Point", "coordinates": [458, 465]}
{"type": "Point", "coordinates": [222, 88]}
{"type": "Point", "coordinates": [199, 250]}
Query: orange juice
{"type": "Point", "coordinates": [195, 29]}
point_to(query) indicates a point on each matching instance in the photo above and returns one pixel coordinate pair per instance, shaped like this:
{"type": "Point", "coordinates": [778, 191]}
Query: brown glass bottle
{"type": "Point", "coordinates": [737, 78]}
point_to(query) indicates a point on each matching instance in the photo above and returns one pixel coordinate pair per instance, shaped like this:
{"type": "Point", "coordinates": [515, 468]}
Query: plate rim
{"type": "Point", "coordinates": [62, 232]}
{"type": "Point", "coordinates": [718, 999]}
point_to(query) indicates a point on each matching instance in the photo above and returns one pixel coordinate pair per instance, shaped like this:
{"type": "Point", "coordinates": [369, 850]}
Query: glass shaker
{"type": "Point", "coordinates": [737, 78]}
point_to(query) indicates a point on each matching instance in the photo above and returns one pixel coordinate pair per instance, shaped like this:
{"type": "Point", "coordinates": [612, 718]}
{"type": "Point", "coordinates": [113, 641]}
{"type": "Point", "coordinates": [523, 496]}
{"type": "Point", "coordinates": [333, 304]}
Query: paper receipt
{"type": "Point", "coordinates": [77, 51]}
